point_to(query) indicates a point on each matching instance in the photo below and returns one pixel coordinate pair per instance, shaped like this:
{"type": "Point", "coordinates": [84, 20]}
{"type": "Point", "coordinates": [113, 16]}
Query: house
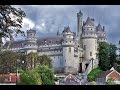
{"type": "Point", "coordinates": [70, 80]}
{"type": "Point", "coordinates": [9, 79]}
{"type": "Point", "coordinates": [112, 73]}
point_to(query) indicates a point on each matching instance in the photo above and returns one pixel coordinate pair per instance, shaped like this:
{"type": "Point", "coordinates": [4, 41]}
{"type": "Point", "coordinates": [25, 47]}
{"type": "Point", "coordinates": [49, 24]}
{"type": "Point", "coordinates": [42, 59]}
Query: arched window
{"type": "Point", "coordinates": [84, 47]}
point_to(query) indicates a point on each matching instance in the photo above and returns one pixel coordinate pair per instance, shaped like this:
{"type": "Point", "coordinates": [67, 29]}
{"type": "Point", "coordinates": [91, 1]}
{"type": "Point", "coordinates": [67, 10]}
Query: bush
{"type": "Point", "coordinates": [93, 74]}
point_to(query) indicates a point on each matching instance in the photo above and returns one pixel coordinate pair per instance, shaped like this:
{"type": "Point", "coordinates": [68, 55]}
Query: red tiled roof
{"type": "Point", "coordinates": [115, 75]}
{"type": "Point", "coordinates": [8, 78]}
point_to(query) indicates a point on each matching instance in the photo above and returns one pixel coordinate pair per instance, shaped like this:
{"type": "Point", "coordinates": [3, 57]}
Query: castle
{"type": "Point", "coordinates": [70, 52]}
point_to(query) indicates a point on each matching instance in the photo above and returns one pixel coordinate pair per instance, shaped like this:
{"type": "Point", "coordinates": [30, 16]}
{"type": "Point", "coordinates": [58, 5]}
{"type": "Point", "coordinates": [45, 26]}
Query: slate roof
{"type": "Point", "coordinates": [40, 41]}
{"type": "Point", "coordinates": [66, 29]}
{"type": "Point", "coordinates": [104, 74]}
{"type": "Point", "coordinates": [99, 28]}
{"type": "Point", "coordinates": [89, 21]}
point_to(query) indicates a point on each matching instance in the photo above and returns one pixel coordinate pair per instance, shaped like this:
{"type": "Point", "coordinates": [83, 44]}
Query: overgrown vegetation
{"type": "Point", "coordinates": [107, 55]}
{"type": "Point", "coordinates": [94, 74]}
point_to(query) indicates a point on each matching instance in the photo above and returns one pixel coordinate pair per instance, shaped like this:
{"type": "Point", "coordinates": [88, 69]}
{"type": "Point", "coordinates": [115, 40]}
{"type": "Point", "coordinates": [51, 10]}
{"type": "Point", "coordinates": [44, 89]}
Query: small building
{"type": "Point", "coordinates": [70, 80]}
{"type": "Point", "coordinates": [8, 79]}
{"type": "Point", "coordinates": [112, 73]}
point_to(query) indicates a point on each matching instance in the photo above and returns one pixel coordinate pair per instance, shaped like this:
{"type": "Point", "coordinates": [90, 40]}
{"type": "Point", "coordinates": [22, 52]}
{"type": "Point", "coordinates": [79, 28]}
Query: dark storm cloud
{"type": "Point", "coordinates": [50, 18]}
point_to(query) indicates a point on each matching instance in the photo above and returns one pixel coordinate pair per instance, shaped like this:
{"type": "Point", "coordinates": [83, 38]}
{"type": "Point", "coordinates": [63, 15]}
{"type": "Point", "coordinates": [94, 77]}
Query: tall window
{"type": "Point", "coordinates": [90, 53]}
{"type": "Point", "coordinates": [84, 47]}
{"type": "Point", "coordinates": [69, 49]}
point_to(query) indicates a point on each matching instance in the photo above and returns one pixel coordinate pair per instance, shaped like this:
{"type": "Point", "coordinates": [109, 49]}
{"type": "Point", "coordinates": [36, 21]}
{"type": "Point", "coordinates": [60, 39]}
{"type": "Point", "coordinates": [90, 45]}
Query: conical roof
{"type": "Point", "coordinates": [99, 27]}
{"type": "Point", "coordinates": [89, 21]}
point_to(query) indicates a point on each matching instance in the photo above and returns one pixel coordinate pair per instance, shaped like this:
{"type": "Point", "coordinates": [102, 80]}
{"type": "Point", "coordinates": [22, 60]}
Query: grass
{"type": "Point", "coordinates": [93, 74]}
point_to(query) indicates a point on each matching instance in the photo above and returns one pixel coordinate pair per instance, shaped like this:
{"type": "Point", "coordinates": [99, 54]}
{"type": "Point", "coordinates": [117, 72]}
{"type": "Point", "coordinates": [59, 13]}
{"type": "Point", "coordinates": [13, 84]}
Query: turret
{"type": "Point", "coordinates": [31, 41]}
{"type": "Point", "coordinates": [101, 33]}
{"type": "Point", "coordinates": [68, 50]}
{"type": "Point", "coordinates": [89, 39]}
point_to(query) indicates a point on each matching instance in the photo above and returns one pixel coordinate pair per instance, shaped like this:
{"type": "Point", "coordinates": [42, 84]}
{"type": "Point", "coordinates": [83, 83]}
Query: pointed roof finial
{"type": "Point", "coordinates": [58, 32]}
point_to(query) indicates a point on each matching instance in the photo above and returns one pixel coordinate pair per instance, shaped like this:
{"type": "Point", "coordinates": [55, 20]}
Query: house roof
{"type": "Point", "coordinates": [71, 80]}
{"type": "Point", "coordinates": [8, 78]}
{"type": "Point", "coordinates": [104, 74]}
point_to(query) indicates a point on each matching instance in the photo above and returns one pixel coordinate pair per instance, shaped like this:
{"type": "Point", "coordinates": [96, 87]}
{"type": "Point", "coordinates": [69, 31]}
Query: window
{"type": "Point", "coordinates": [69, 49]}
{"type": "Point", "coordinates": [84, 47]}
{"type": "Point", "coordinates": [90, 53]}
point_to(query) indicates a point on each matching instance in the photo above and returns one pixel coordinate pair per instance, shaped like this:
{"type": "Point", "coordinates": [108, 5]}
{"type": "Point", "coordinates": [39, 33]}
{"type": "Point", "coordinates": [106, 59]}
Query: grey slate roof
{"type": "Point", "coordinates": [66, 29]}
{"type": "Point", "coordinates": [99, 28]}
{"type": "Point", "coordinates": [89, 21]}
{"type": "Point", "coordinates": [40, 41]}
{"type": "Point", "coordinates": [104, 74]}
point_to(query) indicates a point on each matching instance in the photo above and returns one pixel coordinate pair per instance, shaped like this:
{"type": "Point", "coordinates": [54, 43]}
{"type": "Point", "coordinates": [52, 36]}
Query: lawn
{"type": "Point", "coordinates": [94, 73]}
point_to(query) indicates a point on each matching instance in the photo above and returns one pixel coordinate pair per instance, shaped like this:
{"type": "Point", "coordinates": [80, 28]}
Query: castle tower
{"type": "Point", "coordinates": [68, 50]}
{"type": "Point", "coordinates": [79, 25]}
{"type": "Point", "coordinates": [101, 33]}
{"type": "Point", "coordinates": [31, 41]}
{"type": "Point", "coordinates": [89, 40]}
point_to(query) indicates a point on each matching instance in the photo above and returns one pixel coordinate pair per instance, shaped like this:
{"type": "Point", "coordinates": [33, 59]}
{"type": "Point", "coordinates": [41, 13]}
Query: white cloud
{"type": "Point", "coordinates": [27, 23]}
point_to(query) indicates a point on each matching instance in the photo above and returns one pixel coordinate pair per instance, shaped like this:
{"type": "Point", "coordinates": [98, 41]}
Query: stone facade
{"type": "Point", "coordinates": [67, 50]}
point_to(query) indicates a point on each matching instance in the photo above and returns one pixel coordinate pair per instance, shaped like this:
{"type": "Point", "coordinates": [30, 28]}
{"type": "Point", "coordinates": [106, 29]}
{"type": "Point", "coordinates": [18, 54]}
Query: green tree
{"type": "Point", "coordinates": [31, 59]}
{"type": "Point", "coordinates": [46, 75]}
{"type": "Point", "coordinates": [8, 62]}
{"type": "Point", "coordinates": [45, 60]}
{"type": "Point", "coordinates": [10, 21]}
{"type": "Point", "coordinates": [112, 54]}
{"type": "Point", "coordinates": [103, 56]}
{"type": "Point", "coordinates": [30, 77]}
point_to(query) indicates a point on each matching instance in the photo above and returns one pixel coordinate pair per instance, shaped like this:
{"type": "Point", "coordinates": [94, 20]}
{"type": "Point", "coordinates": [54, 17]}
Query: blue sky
{"type": "Point", "coordinates": [47, 19]}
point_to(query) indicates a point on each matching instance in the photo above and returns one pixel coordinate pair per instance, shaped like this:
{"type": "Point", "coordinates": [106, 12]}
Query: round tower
{"type": "Point", "coordinates": [101, 33]}
{"type": "Point", "coordinates": [89, 39]}
{"type": "Point", "coordinates": [31, 41]}
{"type": "Point", "coordinates": [68, 50]}
{"type": "Point", "coordinates": [79, 25]}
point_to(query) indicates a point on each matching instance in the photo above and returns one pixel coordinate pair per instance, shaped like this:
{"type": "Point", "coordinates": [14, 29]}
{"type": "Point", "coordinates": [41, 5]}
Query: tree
{"type": "Point", "coordinates": [112, 54]}
{"type": "Point", "coordinates": [107, 55]}
{"type": "Point", "coordinates": [46, 75]}
{"type": "Point", "coordinates": [10, 21]}
{"type": "Point", "coordinates": [45, 60]}
{"type": "Point", "coordinates": [103, 56]}
{"type": "Point", "coordinates": [31, 59]}
{"type": "Point", "coordinates": [30, 77]}
{"type": "Point", "coordinates": [8, 61]}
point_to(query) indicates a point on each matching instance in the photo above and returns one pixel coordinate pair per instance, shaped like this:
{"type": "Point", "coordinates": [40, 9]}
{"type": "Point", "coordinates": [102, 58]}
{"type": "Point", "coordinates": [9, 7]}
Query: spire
{"type": "Point", "coordinates": [80, 13]}
{"type": "Point", "coordinates": [58, 32]}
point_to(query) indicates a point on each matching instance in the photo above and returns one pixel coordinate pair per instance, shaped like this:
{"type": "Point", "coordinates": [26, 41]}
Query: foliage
{"type": "Point", "coordinates": [118, 69]}
{"type": "Point", "coordinates": [107, 55]}
{"type": "Point", "coordinates": [8, 62]}
{"type": "Point", "coordinates": [94, 73]}
{"type": "Point", "coordinates": [31, 59]}
{"type": "Point", "coordinates": [46, 75]}
{"type": "Point", "coordinates": [10, 21]}
{"type": "Point", "coordinates": [110, 81]}
{"type": "Point", "coordinates": [30, 77]}
{"type": "Point", "coordinates": [112, 55]}
{"type": "Point", "coordinates": [93, 83]}
{"type": "Point", "coordinates": [45, 60]}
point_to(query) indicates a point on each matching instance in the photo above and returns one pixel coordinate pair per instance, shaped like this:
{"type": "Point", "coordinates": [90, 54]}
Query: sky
{"type": "Point", "coordinates": [48, 19]}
